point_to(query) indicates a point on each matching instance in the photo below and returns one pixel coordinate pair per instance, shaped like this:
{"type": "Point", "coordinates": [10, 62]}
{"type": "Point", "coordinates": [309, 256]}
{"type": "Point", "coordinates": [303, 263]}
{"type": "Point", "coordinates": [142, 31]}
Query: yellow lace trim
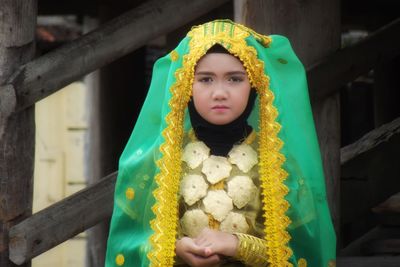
{"type": "Point", "coordinates": [232, 37]}
{"type": "Point", "coordinates": [168, 179]}
{"type": "Point", "coordinates": [272, 175]}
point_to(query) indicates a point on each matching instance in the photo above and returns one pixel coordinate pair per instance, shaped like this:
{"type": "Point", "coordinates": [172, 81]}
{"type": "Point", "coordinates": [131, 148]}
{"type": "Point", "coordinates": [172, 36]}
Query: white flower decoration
{"type": "Point", "coordinates": [193, 188]}
{"type": "Point", "coordinates": [242, 190]}
{"type": "Point", "coordinates": [216, 168]}
{"type": "Point", "coordinates": [195, 153]}
{"type": "Point", "coordinates": [234, 223]}
{"type": "Point", "coordinates": [218, 204]}
{"type": "Point", "coordinates": [243, 156]}
{"type": "Point", "coordinates": [193, 221]}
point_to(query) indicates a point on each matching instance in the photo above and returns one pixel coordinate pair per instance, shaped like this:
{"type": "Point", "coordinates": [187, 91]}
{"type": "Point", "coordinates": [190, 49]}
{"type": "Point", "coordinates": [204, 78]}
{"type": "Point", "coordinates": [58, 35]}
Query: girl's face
{"type": "Point", "coordinates": [221, 88]}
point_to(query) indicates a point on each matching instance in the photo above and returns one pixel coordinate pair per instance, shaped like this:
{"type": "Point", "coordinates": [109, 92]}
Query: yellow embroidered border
{"type": "Point", "coordinates": [166, 207]}
{"type": "Point", "coordinates": [232, 37]}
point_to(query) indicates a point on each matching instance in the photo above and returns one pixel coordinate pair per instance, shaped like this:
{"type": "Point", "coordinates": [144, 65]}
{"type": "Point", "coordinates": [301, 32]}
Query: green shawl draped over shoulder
{"type": "Point", "coordinates": [298, 228]}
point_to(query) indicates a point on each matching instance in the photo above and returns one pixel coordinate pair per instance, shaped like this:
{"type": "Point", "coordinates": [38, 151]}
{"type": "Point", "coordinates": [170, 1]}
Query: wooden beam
{"type": "Point", "coordinates": [390, 205]}
{"type": "Point", "coordinates": [49, 73]}
{"type": "Point", "coordinates": [17, 131]}
{"type": "Point", "coordinates": [382, 246]}
{"type": "Point", "coordinates": [327, 76]}
{"type": "Point", "coordinates": [388, 212]}
{"type": "Point", "coordinates": [355, 248]}
{"type": "Point", "coordinates": [384, 261]}
{"type": "Point", "coordinates": [370, 141]}
{"type": "Point", "coordinates": [62, 221]}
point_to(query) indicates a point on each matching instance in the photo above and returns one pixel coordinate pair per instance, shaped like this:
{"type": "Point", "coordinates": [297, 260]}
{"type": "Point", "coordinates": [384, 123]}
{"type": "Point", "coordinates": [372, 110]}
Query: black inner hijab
{"type": "Point", "coordinates": [221, 138]}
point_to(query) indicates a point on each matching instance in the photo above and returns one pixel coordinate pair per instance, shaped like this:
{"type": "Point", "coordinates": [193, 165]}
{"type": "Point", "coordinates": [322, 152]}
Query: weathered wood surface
{"type": "Point", "coordinates": [384, 261]}
{"type": "Point", "coordinates": [297, 20]}
{"type": "Point", "coordinates": [49, 73]}
{"type": "Point", "coordinates": [391, 205]}
{"type": "Point", "coordinates": [335, 70]}
{"type": "Point", "coordinates": [366, 183]}
{"type": "Point", "coordinates": [61, 221]}
{"type": "Point", "coordinates": [355, 248]}
{"type": "Point", "coordinates": [17, 132]}
{"type": "Point", "coordinates": [8, 101]}
{"type": "Point", "coordinates": [388, 212]}
{"type": "Point", "coordinates": [381, 246]}
{"type": "Point", "coordinates": [370, 140]}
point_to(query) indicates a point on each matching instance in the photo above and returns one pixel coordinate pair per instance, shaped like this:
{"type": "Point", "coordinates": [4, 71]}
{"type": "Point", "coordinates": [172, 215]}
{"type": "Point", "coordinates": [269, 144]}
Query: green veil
{"type": "Point", "coordinates": [298, 228]}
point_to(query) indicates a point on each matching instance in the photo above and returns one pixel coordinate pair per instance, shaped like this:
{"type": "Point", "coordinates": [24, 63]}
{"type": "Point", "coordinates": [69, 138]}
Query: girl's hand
{"type": "Point", "coordinates": [217, 242]}
{"type": "Point", "coordinates": [195, 255]}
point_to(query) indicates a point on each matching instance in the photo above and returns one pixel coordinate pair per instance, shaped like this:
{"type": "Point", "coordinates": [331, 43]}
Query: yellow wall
{"type": "Point", "coordinates": [61, 129]}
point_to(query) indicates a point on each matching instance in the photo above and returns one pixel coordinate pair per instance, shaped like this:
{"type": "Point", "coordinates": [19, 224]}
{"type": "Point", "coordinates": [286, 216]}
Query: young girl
{"type": "Point", "coordinates": [223, 165]}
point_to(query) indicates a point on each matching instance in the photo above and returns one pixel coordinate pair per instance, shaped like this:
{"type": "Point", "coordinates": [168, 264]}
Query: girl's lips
{"type": "Point", "coordinates": [220, 107]}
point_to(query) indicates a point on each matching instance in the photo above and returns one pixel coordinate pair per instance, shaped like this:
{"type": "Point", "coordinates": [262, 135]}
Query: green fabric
{"type": "Point", "coordinates": [311, 231]}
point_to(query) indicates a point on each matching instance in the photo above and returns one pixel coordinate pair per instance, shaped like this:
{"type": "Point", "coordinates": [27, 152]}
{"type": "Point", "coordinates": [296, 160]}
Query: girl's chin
{"type": "Point", "coordinates": [220, 122]}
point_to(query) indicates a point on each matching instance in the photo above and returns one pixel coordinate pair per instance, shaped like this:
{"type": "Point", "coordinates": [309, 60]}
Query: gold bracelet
{"type": "Point", "coordinates": [251, 250]}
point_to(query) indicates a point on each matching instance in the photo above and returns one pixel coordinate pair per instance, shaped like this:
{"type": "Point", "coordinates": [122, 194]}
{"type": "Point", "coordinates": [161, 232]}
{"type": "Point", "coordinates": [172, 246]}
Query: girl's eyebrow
{"type": "Point", "coordinates": [238, 72]}
{"type": "Point", "coordinates": [209, 73]}
{"type": "Point", "coordinates": [228, 73]}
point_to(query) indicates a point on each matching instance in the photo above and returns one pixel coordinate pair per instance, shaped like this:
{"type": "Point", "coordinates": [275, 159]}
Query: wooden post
{"type": "Point", "coordinates": [313, 27]}
{"type": "Point", "coordinates": [17, 30]}
{"type": "Point", "coordinates": [112, 121]}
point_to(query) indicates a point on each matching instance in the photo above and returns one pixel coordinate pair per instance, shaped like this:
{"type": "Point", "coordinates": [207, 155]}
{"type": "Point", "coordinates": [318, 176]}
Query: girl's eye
{"type": "Point", "coordinates": [205, 79]}
{"type": "Point", "coordinates": [235, 79]}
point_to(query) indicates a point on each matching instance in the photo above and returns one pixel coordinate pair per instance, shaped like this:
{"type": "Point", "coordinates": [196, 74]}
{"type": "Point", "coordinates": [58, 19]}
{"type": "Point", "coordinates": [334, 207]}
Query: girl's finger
{"type": "Point", "coordinates": [197, 250]}
{"type": "Point", "coordinates": [209, 261]}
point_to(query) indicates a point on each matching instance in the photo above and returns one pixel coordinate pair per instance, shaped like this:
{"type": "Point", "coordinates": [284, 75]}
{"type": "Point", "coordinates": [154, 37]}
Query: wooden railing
{"type": "Point", "coordinates": [62, 220]}
{"type": "Point", "coordinates": [47, 74]}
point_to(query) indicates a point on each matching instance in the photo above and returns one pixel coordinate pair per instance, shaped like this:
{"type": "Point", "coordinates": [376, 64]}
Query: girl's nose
{"type": "Point", "coordinates": [220, 92]}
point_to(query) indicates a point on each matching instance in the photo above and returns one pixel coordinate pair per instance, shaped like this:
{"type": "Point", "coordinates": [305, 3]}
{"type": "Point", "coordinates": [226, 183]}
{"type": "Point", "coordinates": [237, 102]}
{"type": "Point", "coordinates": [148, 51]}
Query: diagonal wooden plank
{"type": "Point", "coordinates": [355, 248]}
{"type": "Point", "coordinates": [381, 261]}
{"type": "Point", "coordinates": [62, 221]}
{"type": "Point", "coordinates": [372, 139]}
